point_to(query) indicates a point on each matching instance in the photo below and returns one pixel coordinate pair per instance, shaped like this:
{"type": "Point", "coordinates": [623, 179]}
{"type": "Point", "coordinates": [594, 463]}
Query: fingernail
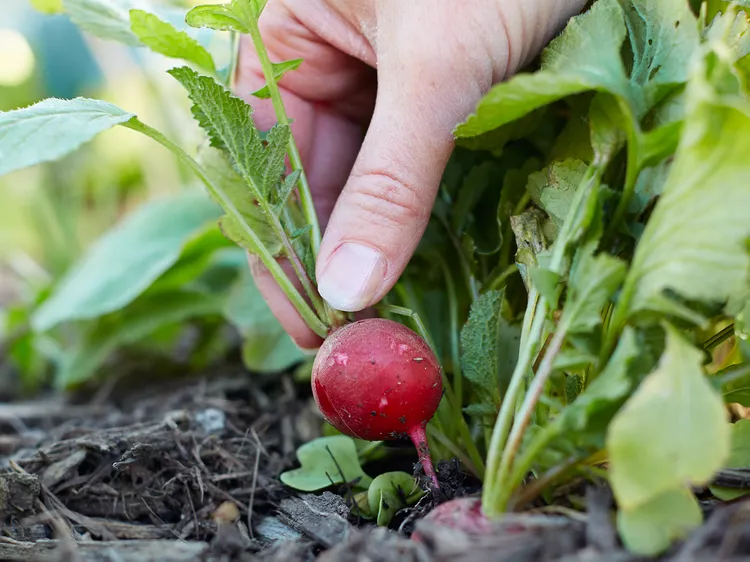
{"type": "Point", "coordinates": [351, 277]}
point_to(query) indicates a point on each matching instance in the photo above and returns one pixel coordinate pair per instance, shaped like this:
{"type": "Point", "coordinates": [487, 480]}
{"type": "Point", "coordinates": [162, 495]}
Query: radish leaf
{"type": "Point", "coordinates": [695, 241]}
{"type": "Point", "coordinates": [52, 128]}
{"type": "Point", "coordinates": [688, 434]}
{"type": "Point", "coordinates": [161, 37]}
{"type": "Point", "coordinates": [326, 461]}
{"type": "Point", "coordinates": [650, 528]}
{"type": "Point", "coordinates": [586, 56]}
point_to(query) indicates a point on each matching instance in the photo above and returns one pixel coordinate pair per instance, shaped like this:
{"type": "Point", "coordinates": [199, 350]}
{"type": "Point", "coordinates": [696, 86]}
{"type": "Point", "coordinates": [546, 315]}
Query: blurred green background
{"type": "Point", "coordinates": [52, 215]}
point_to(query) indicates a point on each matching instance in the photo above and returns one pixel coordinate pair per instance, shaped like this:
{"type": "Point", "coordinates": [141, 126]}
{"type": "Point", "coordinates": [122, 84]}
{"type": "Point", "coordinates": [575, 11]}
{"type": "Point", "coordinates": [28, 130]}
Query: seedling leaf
{"type": "Point", "coordinates": [390, 492]}
{"type": "Point", "coordinates": [323, 461]}
{"type": "Point", "coordinates": [52, 128]}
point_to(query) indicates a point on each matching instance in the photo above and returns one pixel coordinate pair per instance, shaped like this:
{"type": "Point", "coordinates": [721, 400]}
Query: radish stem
{"type": "Point", "coordinates": [418, 436]}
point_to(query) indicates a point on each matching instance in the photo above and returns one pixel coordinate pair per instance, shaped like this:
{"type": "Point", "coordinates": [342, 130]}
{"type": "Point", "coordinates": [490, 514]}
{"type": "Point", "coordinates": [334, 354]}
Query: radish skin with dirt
{"type": "Point", "coordinates": [376, 380]}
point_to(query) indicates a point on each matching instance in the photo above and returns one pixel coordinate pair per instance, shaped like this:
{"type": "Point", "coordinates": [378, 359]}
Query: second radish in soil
{"type": "Point", "coordinates": [377, 379]}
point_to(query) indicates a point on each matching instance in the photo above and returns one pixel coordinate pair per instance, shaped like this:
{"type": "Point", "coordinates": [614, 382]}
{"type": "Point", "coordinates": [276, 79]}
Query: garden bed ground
{"type": "Point", "coordinates": [187, 471]}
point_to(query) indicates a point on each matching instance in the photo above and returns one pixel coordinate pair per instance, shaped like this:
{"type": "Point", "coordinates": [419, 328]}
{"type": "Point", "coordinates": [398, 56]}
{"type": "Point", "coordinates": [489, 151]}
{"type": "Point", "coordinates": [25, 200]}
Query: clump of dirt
{"type": "Point", "coordinates": [189, 472]}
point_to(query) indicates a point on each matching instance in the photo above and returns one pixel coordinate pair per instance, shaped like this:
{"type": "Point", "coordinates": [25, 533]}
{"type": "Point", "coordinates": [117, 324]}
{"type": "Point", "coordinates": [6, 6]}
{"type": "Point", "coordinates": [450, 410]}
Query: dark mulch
{"type": "Point", "coordinates": [189, 472]}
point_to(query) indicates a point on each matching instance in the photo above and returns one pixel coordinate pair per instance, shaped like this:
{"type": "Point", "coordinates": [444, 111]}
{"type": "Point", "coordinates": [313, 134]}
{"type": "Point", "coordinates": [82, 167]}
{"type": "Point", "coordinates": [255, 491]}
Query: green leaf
{"type": "Point", "coordinates": [235, 16]}
{"type": "Point", "coordinates": [694, 243]}
{"type": "Point", "coordinates": [608, 127]}
{"type": "Point", "coordinates": [738, 458]}
{"type": "Point", "coordinates": [663, 39]}
{"type": "Point", "coordinates": [221, 172]}
{"type": "Point", "coordinates": [593, 280]}
{"type": "Point", "coordinates": [390, 492]}
{"type": "Point", "coordinates": [611, 386]}
{"type": "Point", "coordinates": [547, 283]}
{"type": "Point", "coordinates": [161, 37]}
{"type": "Point", "coordinates": [127, 259]}
{"type": "Point", "coordinates": [586, 56]}
{"type": "Point", "coordinates": [489, 346]}
{"type": "Point", "coordinates": [227, 121]}
{"type": "Point", "coordinates": [267, 347]}
{"type": "Point", "coordinates": [279, 69]}
{"type": "Point", "coordinates": [554, 187]}
{"type": "Point", "coordinates": [735, 385]}
{"type": "Point", "coordinates": [686, 424]}
{"type": "Point", "coordinates": [650, 528]}
{"type": "Point", "coordinates": [136, 322]}
{"type": "Point", "coordinates": [323, 460]}
{"type": "Point", "coordinates": [48, 6]}
{"type": "Point", "coordinates": [51, 129]}
{"type": "Point", "coordinates": [528, 230]}
{"type": "Point", "coordinates": [106, 19]}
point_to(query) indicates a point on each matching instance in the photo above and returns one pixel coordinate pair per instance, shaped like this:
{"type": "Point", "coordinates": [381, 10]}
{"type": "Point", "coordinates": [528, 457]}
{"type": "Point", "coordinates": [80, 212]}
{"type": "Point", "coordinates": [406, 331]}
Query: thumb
{"type": "Point", "coordinates": [386, 203]}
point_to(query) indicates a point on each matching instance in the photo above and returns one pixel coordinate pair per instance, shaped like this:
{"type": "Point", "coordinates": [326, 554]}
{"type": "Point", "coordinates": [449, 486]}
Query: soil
{"type": "Point", "coordinates": [188, 471]}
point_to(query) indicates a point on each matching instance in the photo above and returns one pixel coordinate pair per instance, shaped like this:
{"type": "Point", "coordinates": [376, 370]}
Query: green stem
{"type": "Point", "coordinates": [258, 247]}
{"type": "Point", "coordinates": [633, 168]}
{"type": "Point", "coordinates": [308, 207]}
{"type": "Point", "coordinates": [524, 415]}
{"type": "Point", "coordinates": [497, 282]}
{"type": "Point", "coordinates": [494, 498]}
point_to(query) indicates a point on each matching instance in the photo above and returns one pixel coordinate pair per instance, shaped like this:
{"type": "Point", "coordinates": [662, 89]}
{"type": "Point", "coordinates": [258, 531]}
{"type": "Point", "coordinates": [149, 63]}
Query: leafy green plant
{"type": "Point", "coordinates": [587, 256]}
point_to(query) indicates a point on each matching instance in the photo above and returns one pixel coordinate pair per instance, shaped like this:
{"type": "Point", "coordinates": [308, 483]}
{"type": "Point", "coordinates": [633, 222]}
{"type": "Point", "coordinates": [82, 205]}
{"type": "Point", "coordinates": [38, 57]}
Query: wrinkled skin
{"type": "Point", "coordinates": [407, 73]}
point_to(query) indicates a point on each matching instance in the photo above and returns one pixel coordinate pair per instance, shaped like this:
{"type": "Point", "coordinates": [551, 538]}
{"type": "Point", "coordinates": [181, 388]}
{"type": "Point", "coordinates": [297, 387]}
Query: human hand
{"type": "Point", "coordinates": [374, 192]}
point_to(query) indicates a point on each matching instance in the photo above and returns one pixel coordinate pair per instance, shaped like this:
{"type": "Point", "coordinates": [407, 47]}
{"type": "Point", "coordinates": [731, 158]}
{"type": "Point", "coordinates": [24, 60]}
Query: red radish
{"type": "Point", "coordinates": [463, 514]}
{"type": "Point", "coordinates": [376, 379]}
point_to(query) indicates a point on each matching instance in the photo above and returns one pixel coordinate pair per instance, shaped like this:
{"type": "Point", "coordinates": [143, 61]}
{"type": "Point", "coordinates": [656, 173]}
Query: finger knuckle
{"type": "Point", "coordinates": [391, 201]}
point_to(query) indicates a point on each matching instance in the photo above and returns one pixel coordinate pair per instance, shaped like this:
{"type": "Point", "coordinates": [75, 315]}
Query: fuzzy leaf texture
{"type": "Point", "coordinates": [686, 424]}
{"type": "Point", "coordinates": [228, 122]}
{"type": "Point", "coordinates": [218, 167]}
{"type": "Point", "coordinates": [695, 241]}
{"type": "Point", "coordinates": [489, 347]}
{"type": "Point", "coordinates": [52, 128]}
{"type": "Point", "coordinates": [586, 56]}
{"type": "Point", "coordinates": [161, 37]}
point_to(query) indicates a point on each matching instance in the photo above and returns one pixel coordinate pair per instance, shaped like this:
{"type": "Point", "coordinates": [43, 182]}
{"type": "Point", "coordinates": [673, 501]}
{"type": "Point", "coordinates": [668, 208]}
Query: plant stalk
{"type": "Point", "coordinates": [259, 248]}
{"type": "Point", "coordinates": [308, 207]}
